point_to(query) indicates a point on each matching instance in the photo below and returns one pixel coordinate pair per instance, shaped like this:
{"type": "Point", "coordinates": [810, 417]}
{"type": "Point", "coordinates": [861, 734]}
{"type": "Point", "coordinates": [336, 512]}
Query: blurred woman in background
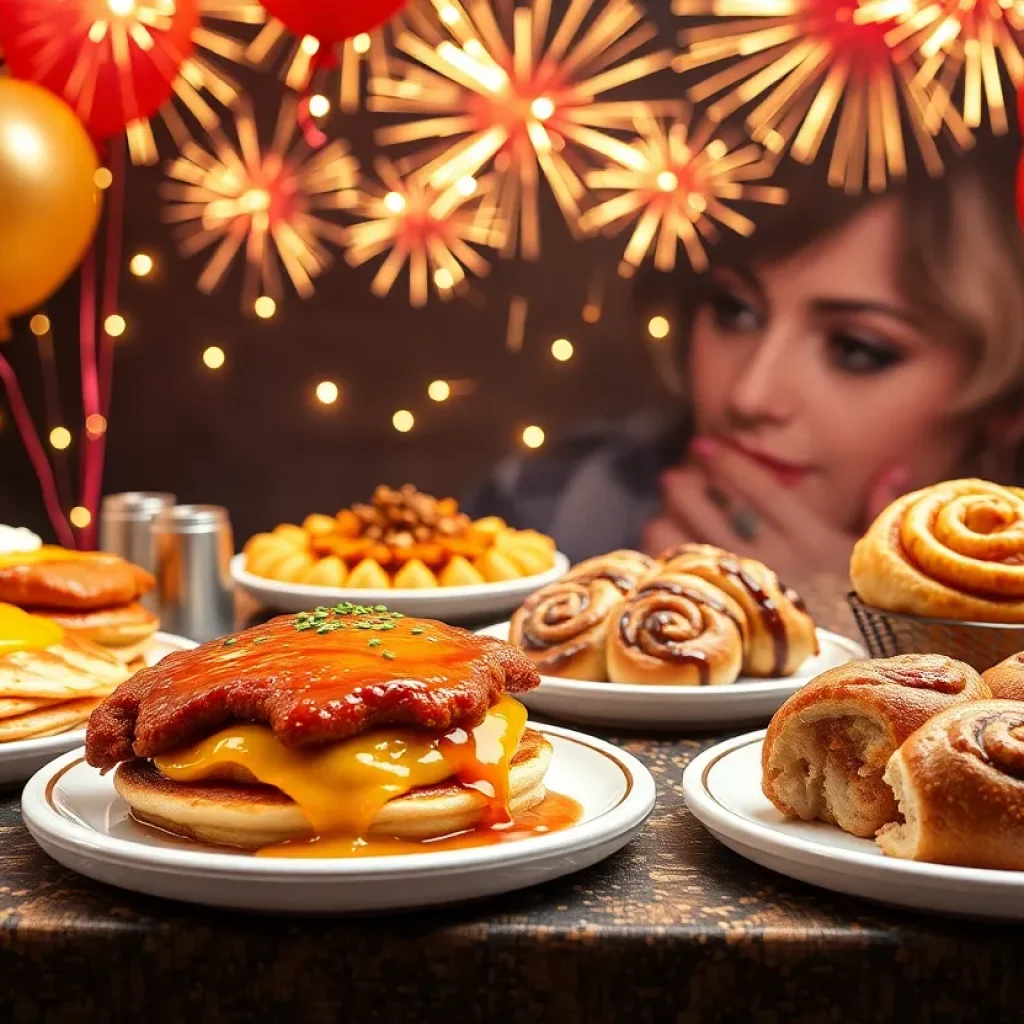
{"type": "Point", "coordinates": [848, 352]}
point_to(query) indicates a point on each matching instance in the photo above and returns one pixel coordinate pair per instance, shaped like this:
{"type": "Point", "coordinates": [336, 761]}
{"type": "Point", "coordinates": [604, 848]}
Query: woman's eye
{"type": "Point", "coordinates": [858, 355]}
{"type": "Point", "coordinates": [732, 313]}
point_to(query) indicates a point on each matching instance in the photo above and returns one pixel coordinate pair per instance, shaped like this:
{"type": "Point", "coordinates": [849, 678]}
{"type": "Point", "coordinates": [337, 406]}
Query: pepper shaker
{"type": "Point", "coordinates": [126, 522]}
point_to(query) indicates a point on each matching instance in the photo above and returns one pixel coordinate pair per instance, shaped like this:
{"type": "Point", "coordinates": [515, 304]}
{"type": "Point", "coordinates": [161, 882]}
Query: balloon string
{"type": "Point", "coordinates": [36, 453]}
{"type": "Point", "coordinates": [90, 382]}
{"type": "Point", "coordinates": [112, 267]}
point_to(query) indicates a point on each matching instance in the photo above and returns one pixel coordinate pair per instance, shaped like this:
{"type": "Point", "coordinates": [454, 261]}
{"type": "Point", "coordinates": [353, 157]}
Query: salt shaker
{"type": "Point", "coordinates": [194, 546]}
{"type": "Point", "coordinates": [126, 522]}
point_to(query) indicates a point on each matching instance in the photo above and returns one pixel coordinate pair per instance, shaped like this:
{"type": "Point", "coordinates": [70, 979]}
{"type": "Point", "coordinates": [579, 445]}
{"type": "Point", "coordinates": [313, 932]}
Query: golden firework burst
{"type": "Point", "coordinates": [804, 64]}
{"type": "Point", "coordinates": [243, 198]}
{"type": "Point", "coordinates": [954, 38]}
{"type": "Point", "coordinates": [679, 183]}
{"type": "Point", "coordinates": [514, 90]}
{"type": "Point", "coordinates": [433, 230]}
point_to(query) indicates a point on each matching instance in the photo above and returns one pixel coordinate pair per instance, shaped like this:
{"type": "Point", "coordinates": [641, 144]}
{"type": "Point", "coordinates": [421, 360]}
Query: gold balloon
{"type": "Point", "coordinates": [49, 203]}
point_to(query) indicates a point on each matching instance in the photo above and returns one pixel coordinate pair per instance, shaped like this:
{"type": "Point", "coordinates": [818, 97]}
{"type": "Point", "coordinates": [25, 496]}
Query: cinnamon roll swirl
{"type": "Point", "coordinates": [624, 568]}
{"type": "Point", "coordinates": [676, 630]}
{"type": "Point", "coordinates": [959, 784]}
{"type": "Point", "coordinates": [827, 747]}
{"type": "Point", "coordinates": [1006, 680]}
{"type": "Point", "coordinates": [952, 551]}
{"type": "Point", "coordinates": [781, 632]}
{"type": "Point", "coordinates": [562, 626]}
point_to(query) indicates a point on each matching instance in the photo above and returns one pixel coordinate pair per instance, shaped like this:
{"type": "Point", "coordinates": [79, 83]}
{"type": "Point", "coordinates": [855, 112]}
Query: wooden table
{"type": "Point", "coordinates": [673, 928]}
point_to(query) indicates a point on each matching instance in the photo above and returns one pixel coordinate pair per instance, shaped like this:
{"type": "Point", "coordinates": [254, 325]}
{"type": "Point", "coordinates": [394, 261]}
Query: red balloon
{"type": "Point", "coordinates": [112, 61]}
{"type": "Point", "coordinates": [332, 21]}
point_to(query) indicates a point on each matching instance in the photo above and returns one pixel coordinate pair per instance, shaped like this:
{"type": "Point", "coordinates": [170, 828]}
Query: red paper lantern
{"type": "Point", "coordinates": [113, 61]}
{"type": "Point", "coordinates": [332, 21]}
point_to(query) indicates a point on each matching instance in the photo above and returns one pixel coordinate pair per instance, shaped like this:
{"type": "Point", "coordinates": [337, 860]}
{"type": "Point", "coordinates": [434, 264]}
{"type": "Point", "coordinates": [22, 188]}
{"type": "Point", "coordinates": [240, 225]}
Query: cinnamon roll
{"type": "Point", "coordinates": [1006, 680]}
{"type": "Point", "coordinates": [827, 747]}
{"type": "Point", "coordinates": [624, 568]}
{"type": "Point", "coordinates": [959, 784]}
{"type": "Point", "coordinates": [952, 551]}
{"type": "Point", "coordinates": [676, 630]}
{"type": "Point", "coordinates": [781, 632]}
{"type": "Point", "coordinates": [562, 627]}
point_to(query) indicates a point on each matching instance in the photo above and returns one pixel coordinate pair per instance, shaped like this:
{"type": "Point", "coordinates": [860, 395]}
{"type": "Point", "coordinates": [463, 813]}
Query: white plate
{"type": "Point", "coordinates": [722, 788]}
{"type": "Point", "coordinates": [20, 759]}
{"type": "Point", "coordinates": [745, 702]}
{"type": "Point", "coordinates": [77, 817]}
{"type": "Point", "coordinates": [448, 603]}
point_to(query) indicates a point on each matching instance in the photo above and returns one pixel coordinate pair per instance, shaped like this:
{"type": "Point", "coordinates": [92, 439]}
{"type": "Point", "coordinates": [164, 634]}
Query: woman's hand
{"type": "Point", "coordinates": [727, 499]}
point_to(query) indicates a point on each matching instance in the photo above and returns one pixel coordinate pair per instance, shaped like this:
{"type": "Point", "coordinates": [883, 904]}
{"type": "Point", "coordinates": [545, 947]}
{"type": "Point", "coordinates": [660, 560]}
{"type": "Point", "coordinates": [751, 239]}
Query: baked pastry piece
{"type": "Point", "coordinates": [562, 627]}
{"type": "Point", "coordinates": [827, 747]}
{"type": "Point", "coordinates": [676, 630]}
{"type": "Point", "coordinates": [959, 783]}
{"type": "Point", "coordinates": [624, 568]}
{"type": "Point", "coordinates": [1006, 680]}
{"type": "Point", "coordinates": [781, 634]}
{"type": "Point", "coordinates": [952, 551]}
{"type": "Point", "coordinates": [70, 580]}
{"type": "Point", "coordinates": [344, 722]}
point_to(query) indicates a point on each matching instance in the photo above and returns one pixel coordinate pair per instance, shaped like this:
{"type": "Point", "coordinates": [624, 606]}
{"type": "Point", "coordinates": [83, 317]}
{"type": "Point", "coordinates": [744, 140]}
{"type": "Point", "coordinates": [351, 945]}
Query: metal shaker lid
{"type": "Point", "coordinates": [191, 519]}
{"type": "Point", "coordinates": [135, 506]}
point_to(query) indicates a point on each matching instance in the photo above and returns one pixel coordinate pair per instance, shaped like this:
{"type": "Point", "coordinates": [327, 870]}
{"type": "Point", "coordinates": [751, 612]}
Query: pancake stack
{"type": "Point", "coordinates": [92, 596]}
{"type": "Point", "coordinates": [49, 682]}
{"type": "Point", "coordinates": [323, 733]}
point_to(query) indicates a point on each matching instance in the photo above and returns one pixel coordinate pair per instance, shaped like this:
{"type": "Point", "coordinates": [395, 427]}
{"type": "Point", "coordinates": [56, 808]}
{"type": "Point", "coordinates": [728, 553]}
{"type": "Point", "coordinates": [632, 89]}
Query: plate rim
{"type": "Point", "coordinates": [631, 811]}
{"type": "Point", "coordinates": [767, 687]}
{"type": "Point", "coordinates": [716, 816]}
{"type": "Point", "coordinates": [250, 582]}
{"type": "Point", "coordinates": [8, 751]}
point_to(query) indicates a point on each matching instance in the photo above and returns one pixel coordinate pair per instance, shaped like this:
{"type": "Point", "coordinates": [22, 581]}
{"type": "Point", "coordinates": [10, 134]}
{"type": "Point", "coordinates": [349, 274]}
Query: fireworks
{"type": "Point", "coordinates": [807, 63]}
{"type": "Point", "coordinates": [508, 90]}
{"type": "Point", "coordinates": [950, 37]}
{"type": "Point", "coordinates": [242, 198]}
{"type": "Point", "coordinates": [429, 228]}
{"type": "Point", "coordinates": [679, 185]}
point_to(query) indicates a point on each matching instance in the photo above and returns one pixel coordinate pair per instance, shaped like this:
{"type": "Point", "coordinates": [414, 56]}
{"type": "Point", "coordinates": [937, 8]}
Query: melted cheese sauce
{"type": "Point", "coordinates": [20, 631]}
{"type": "Point", "coordinates": [342, 788]}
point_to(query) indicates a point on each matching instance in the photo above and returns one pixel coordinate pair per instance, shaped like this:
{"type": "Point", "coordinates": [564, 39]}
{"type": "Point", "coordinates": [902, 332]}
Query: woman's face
{"type": "Point", "coordinates": [818, 369]}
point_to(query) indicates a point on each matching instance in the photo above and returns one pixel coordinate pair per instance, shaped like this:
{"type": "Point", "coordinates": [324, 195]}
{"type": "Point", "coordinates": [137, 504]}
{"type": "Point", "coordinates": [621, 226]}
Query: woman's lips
{"type": "Point", "coordinates": [789, 474]}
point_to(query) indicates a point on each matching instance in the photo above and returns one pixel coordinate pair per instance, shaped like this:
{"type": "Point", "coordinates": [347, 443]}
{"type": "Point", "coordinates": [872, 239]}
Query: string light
{"type": "Point", "coordinates": [114, 325]}
{"type": "Point", "coordinates": [658, 327]}
{"type": "Point", "coordinates": [102, 178]}
{"type": "Point", "coordinates": [264, 307]}
{"type": "Point", "coordinates": [403, 421]}
{"type": "Point", "coordinates": [327, 392]}
{"type": "Point", "coordinates": [678, 183]}
{"type": "Point", "coordinates": [433, 231]}
{"type": "Point", "coordinates": [214, 357]}
{"type": "Point", "coordinates": [533, 436]}
{"type": "Point", "coordinates": [439, 390]}
{"type": "Point", "coordinates": [562, 350]}
{"type": "Point", "coordinates": [95, 425]}
{"type": "Point", "coordinates": [141, 264]}
{"type": "Point", "coordinates": [519, 95]}
{"type": "Point", "coordinates": [60, 438]}
{"type": "Point", "coordinates": [319, 105]}
{"type": "Point", "coordinates": [243, 200]}
{"type": "Point", "coordinates": [39, 324]}
{"type": "Point", "coordinates": [80, 517]}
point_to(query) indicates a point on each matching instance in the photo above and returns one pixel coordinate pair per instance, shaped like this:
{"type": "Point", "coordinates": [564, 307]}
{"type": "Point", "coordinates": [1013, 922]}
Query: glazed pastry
{"type": "Point", "coordinates": [496, 567]}
{"type": "Point", "coordinates": [952, 551]}
{"type": "Point", "coordinates": [1006, 680]}
{"type": "Point", "coordinates": [459, 573]}
{"type": "Point", "coordinates": [781, 632]}
{"type": "Point", "coordinates": [626, 569]}
{"type": "Point", "coordinates": [676, 630]}
{"type": "Point", "coordinates": [562, 627]}
{"type": "Point", "coordinates": [326, 572]}
{"type": "Point", "coordinates": [368, 575]}
{"type": "Point", "coordinates": [415, 575]}
{"type": "Point", "coordinates": [827, 747]}
{"type": "Point", "coordinates": [959, 783]}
